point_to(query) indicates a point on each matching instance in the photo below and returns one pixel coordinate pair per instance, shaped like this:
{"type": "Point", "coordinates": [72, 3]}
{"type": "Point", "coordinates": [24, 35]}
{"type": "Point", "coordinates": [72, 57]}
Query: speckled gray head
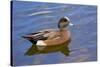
{"type": "Point", "coordinates": [64, 22]}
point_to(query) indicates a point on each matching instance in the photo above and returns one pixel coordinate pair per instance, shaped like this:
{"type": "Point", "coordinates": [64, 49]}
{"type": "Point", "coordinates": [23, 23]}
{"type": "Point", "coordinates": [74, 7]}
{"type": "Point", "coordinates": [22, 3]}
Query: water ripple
{"type": "Point", "coordinates": [58, 7]}
{"type": "Point", "coordinates": [38, 13]}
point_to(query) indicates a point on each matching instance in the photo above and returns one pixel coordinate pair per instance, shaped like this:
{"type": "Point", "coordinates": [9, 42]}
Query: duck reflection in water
{"type": "Point", "coordinates": [51, 40]}
{"type": "Point", "coordinates": [63, 48]}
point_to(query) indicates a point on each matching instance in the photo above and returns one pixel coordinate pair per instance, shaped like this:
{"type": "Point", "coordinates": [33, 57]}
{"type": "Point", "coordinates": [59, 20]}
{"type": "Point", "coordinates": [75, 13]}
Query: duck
{"type": "Point", "coordinates": [51, 37]}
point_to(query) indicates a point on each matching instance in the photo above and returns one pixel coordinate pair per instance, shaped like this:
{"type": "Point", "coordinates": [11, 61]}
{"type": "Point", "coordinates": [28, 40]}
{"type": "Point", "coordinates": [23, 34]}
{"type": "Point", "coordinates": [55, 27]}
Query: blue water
{"type": "Point", "coordinates": [30, 17]}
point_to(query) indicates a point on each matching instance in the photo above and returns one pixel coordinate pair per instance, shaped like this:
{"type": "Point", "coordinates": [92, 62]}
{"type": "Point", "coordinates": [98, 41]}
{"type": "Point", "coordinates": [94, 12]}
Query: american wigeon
{"type": "Point", "coordinates": [51, 37]}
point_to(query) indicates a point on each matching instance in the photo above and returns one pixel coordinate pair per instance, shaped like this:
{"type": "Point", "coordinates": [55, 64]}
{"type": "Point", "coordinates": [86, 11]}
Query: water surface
{"type": "Point", "coordinates": [30, 17]}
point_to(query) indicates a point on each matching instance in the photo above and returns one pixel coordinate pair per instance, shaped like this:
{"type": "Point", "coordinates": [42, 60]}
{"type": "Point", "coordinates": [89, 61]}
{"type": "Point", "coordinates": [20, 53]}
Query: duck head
{"type": "Point", "coordinates": [64, 22]}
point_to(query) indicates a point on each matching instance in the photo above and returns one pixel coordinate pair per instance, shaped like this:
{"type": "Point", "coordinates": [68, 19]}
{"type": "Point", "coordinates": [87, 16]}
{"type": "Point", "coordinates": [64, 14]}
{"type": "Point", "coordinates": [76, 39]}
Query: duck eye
{"type": "Point", "coordinates": [65, 20]}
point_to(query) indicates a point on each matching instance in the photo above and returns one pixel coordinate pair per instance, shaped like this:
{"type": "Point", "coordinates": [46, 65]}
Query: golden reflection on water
{"type": "Point", "coordinates": [63, 48]}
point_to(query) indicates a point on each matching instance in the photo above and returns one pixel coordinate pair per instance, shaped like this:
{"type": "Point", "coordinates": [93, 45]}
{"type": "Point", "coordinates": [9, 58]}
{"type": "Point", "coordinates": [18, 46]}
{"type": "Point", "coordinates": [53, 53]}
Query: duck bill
{"type": "Point", "coordinates": [70, 24]}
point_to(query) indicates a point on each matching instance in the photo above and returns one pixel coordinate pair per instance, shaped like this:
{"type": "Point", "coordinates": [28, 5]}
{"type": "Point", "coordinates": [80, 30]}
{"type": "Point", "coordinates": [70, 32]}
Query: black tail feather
{"type": "Point", "coordinates": [33, 41]}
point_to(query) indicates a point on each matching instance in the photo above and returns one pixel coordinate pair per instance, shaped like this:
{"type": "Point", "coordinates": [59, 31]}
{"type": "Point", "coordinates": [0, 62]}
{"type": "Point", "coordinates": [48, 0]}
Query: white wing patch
{"type": "Point", "coordinates": [41, 43]}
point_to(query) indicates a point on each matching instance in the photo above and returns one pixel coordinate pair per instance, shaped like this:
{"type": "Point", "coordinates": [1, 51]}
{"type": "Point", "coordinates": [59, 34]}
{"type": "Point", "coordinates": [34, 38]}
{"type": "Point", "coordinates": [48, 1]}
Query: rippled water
{"type": "Point", "coordinates": [28, 17]}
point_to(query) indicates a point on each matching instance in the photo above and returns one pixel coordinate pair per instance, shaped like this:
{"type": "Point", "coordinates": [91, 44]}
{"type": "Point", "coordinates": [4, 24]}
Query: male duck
{"type": "Point", "coordinates": [51, 37]}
